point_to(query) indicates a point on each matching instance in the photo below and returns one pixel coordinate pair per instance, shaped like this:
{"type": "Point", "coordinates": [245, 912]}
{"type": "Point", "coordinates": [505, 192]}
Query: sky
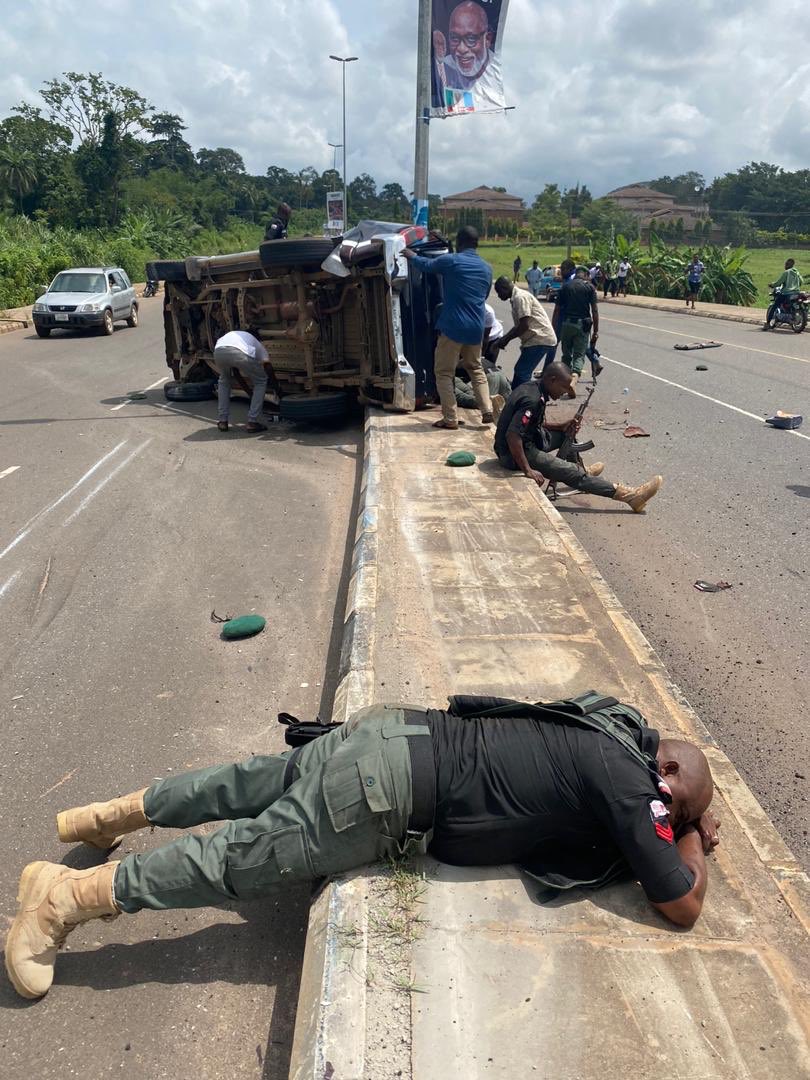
{"type": "Point", "coordinates": [607, 93]}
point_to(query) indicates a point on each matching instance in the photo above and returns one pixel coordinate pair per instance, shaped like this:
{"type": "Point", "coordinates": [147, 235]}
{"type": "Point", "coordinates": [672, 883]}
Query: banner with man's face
{"type": "Point", "coordinates": [466, 69]}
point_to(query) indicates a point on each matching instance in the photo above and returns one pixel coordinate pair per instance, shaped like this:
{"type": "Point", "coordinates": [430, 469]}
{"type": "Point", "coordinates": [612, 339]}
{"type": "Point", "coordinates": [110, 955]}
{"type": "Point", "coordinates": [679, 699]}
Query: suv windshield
{"type": "Point", "coordinates": [84, 283]}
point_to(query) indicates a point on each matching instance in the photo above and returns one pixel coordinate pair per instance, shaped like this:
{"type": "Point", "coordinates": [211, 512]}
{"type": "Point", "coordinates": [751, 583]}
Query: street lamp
{"type": "Point", "coordinates": [335, 146]}
{"type": "Point", "coordinates": [344, 60]}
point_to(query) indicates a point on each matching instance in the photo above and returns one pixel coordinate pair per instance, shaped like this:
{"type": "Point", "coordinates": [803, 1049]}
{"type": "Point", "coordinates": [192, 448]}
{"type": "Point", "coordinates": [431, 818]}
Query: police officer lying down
{"type": "Point", "coordinates": [576, 792]}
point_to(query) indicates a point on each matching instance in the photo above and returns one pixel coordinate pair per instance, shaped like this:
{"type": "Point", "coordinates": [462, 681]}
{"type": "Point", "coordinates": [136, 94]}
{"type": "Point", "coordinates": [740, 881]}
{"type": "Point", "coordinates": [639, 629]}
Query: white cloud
{"type": "Point", "coordinates": [607, 93]}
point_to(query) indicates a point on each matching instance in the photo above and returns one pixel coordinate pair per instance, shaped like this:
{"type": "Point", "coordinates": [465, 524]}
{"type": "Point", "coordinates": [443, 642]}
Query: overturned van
{"type": "Point", "coordinates": [337, 316]}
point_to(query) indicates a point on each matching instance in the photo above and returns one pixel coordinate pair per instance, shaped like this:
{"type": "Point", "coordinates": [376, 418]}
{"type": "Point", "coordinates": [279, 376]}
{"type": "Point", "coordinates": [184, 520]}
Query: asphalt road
{"type": "Point", "coordinates": [122, 527]}
{"type": "Point", "coordinates": [734, 507]}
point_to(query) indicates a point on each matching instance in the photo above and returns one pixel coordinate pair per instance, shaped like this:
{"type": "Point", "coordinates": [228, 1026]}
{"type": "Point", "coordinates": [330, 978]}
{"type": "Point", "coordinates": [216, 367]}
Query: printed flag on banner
{"type": "Point", "coordinates": [466, 53]}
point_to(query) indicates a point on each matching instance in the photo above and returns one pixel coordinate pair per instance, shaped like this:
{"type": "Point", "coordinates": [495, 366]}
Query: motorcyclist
{"type": "Point", "coordinates": [789, 282]}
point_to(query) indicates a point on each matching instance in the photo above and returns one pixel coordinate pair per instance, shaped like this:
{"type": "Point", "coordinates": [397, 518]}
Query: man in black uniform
{"type": "Point", "coordinates": [578, 792]}
{"type": "Point", "coordinates": [277, 229]}
{"type": "Point", "coordinates": [575, 320]}
{"type": "Point", "coordinates": [525, 442]}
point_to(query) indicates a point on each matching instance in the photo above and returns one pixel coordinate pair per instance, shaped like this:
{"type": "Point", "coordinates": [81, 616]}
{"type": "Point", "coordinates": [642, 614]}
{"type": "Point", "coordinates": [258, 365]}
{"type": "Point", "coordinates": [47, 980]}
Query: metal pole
{"type": "Point", "coordinates": [344, 60]}
{"type": "Point", "coordinates": [422, 147]}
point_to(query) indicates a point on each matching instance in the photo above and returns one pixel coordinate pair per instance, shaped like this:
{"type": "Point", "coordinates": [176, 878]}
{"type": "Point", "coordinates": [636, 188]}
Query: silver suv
{"type": "Point", "coordinates": [87, 296]}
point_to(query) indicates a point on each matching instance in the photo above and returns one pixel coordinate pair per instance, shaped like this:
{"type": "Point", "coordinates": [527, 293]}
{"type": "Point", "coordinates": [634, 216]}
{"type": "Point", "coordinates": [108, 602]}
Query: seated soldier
{"type": "Point", "coordinates": [577, 791]}
{"type": "Point", "coordinates": [525, 441]}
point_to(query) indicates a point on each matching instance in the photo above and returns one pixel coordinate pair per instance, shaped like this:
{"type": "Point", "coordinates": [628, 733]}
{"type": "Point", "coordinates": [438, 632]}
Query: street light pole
{"type": "Point", "coordinates": [344, 60]}
{"type": "Point", "coordinates": [422, 148]}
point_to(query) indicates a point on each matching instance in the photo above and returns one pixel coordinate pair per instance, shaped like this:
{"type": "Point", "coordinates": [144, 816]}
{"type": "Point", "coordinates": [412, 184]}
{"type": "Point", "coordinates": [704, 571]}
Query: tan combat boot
{"type": "Point", "coordinates": [102, 824]}
{"type": "Point", "coordinates": [596, 469]}
{"type": "Point", "coordinates": [572, 389]}
{"type": "Point", "coordinates": [638, 497]}
{"type": "Point", "coordinates": [53, 900]}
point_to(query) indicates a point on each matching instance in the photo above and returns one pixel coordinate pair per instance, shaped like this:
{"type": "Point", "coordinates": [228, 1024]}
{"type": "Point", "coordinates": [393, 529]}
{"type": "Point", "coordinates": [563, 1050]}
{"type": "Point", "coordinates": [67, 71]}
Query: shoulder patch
{"type": "Point", "coordinates": [527, 417]}
{"type": "Point", "coordinates": [660, 820]}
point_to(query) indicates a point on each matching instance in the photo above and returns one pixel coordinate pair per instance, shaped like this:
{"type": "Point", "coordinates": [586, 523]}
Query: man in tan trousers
{"type": "Point", "coordinates": [466, 281]}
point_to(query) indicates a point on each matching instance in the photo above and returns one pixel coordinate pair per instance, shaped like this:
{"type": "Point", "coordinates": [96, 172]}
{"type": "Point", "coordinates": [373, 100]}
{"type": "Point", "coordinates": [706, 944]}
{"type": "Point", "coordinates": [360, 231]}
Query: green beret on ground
{"type": "Point", "coordinates": [244, 626]}
{"type": "Point", "coordinates": [461, 457]}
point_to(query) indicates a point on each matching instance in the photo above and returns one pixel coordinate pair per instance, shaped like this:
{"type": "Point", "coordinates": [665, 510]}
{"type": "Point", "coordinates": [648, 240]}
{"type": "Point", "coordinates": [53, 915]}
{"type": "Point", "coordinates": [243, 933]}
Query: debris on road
{"type": "Point", "coordinates": [698, 345]}
{"type": "Point", "coordinates": [712, 586]}
{"type": "Point", "coordinates": [218, 618]}
{"type": "Point", "coordinates": [610, 425]}
{"type": "Point", "coordinates": [633, 432]}
{"type": "Point", "coordinates": [787, 421]}
{"type": "Point", "coordinates": [243, 626]}
{"type": "Point", "coordinates": [461, 458]}
{"type": "Point", "coordinates": [701, 367]}
{"type": "Point", "coordinates": [136, 395]}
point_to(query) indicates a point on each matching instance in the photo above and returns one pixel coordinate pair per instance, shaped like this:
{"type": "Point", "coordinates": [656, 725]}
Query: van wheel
{"type": "Point", "coordinates": [133, 316]}
{"type": "Point", "coordinates": [190, 391]}
{"type": "Point", "coordinates": [108, 326]}
{"type": "Point", "coordinates": [316, 407]}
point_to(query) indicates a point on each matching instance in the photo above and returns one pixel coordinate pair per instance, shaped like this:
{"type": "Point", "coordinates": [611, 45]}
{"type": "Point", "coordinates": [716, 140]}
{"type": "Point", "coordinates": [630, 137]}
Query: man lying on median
{"type": "Point", "coordinates": [578, 792]}
{"type": "Point", "coordinates": [525, 441]}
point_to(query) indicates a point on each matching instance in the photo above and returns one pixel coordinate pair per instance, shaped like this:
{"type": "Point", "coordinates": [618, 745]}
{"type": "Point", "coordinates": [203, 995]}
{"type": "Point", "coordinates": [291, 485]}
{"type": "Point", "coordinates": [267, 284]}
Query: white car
{"type": "Point", "coordinates": [87, 296]}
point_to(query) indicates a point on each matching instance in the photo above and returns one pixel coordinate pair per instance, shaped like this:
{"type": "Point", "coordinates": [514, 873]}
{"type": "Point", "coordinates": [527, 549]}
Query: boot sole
{"type": "Point", "coordinates": [28, 883]}
{"type": "Point", "coordinates": [69, 835]}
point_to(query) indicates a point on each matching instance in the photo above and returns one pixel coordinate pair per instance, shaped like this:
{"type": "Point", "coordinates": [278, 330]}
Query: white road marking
{"type": "Point", "coordinates": [9, 471]}
{"type": "Point", "coordinates": [134, 401]}
{"type": "Point", "coordinates": [7, 584]}
{"type": "Point", "coordinates": [103, 483]}
{"type": "Point", "coordinates": [706, 397]}
{"type": "Point", "coordinates": [731, 344]}
{"type": "Point", "coordinates": [26, 529]}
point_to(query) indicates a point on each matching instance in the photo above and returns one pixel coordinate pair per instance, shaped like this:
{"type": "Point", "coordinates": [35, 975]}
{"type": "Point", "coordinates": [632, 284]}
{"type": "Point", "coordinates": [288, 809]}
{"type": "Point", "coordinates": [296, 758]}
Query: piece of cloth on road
{"type": "Point", "coordinates": [446, 359]}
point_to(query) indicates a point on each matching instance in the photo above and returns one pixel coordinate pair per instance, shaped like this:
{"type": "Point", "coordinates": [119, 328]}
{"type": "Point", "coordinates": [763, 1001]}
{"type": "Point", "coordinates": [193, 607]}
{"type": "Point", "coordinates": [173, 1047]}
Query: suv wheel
{"type": "Point", "coordinates": [108, 326]}
{"type": "Point", "coordinates": [43, 331]}
{"type": "Point", "coordinates": [133, 316]}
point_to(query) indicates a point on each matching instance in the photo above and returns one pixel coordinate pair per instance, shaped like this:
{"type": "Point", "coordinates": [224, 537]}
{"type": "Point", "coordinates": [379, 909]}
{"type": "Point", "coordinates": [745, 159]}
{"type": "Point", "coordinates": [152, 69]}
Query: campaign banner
{"type": "Point", "coordinates": [335, 216]}
{"type": "Point", "coordinates": [466, 54]}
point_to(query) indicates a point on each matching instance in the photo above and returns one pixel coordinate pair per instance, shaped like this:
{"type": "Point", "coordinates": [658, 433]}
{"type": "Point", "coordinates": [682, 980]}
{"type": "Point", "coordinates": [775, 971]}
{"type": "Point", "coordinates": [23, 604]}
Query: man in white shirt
{"type": "Point", "coordinates": [534, 275]}
{"type": "Point", "coordinates": [538, 342]}
{"type": "Point", "coordinates": [243, 351]}
{"type": "Point", "coordinates": [624, 272]}
{"type": "Point", "coordinates": [493, 332]}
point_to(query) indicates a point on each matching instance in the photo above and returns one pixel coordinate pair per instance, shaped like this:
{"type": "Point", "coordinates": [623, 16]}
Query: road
{"type": "Point", "coordinates": [734, 507]}
{"type": "Point", "coordinates": [123, 526]}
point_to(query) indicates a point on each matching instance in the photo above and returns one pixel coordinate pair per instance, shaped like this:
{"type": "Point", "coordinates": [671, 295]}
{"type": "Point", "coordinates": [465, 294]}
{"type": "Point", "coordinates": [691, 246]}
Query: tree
{"type": "Point", "coordinates": [362, 193]}
{"type": "Point", "coordinates": [547, 215]}
{"type": "Point", "coordinates": [101, 169]}
{"type": "Point", "coordinates": [220, 162]}
{"type": "Point", "coordinates": [687, 187]}
{"type": "Point", "coordinates": [81, 103]}
{"type": "Point", "coordinates": [603, 215]}
{"type": "Point", "coordinates": [168, 148]}
{"type": "Point", "coordinates": [394, 203]}
{"type": "Point", "coordinates": [17, 172]}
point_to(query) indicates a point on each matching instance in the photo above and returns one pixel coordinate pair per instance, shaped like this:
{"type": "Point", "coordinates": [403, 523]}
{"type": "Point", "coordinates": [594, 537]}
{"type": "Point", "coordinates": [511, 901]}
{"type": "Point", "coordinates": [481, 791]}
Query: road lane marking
{"type": "Point", "coordinates": [133, 401]}
{"type": "Point", "coordinates": [9, 471]}
{"type": "Point", "coordinates": [103, 483]}
{"type": "Point", "coordinates": [7, 584]}
{"type": "Point", "coordinates": [731, 344]}
{"type": "Point", "coordinates": [706, 397]}
{"type": "Point", "coordinates": [26, 529]}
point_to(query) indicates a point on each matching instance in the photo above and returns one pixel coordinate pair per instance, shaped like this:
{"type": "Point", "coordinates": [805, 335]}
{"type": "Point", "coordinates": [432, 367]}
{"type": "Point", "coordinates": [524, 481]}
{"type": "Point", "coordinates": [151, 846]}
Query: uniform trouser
{"type": "Point", "coordinates": [228, 357]}
{"type": "Point", "coordinates": [563, 472]}
{"type": "Point", "coordinates": [348, 804]}
{"type": "Point", "coordinates": [445, 362]}
{"type": "Point", "coordinates": [530, 358]}
{"type": "Point", "coordinates": [497, 382]}
{"type": "Point", "coordinates": [575, 340]}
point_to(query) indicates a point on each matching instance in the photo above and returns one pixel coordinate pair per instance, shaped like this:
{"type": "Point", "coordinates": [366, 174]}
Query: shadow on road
{"type": "Point", "coordinates": [802, 490]}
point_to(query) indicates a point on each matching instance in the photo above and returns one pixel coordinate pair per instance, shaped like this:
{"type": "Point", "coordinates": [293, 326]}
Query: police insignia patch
{"type": "Point", "coordinates": [660, 820]}
{"type": "Point", "coordinates": [527, 416]}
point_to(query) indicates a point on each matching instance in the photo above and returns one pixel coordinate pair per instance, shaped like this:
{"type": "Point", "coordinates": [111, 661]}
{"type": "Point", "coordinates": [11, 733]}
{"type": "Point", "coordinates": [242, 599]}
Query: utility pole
{"type": "Point", "coordinates": [344, 60]}
{"type": "Point", "coordinates": [422, 149]}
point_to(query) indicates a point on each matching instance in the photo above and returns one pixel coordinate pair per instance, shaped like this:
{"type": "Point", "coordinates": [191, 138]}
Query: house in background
{"type": "Point", "coordinates": [654, 209]}
{"type": "Point", "coordinates": [494, 205]}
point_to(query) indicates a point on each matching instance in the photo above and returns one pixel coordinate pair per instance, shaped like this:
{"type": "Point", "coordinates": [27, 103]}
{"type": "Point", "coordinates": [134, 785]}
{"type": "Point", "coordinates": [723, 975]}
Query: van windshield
{"type": "Point", "coordinates": [82, 283]}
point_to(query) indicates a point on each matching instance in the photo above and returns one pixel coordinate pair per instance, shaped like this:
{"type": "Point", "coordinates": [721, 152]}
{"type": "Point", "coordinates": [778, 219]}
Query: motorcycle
{"type": "Point", "coordinates": [787, 311]}
{"type": "Point", "coordinates": [151, 288]}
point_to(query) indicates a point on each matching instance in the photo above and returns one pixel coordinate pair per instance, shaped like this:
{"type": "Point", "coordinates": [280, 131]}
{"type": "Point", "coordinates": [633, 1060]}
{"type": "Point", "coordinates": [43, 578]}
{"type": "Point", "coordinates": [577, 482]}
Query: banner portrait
{"type": "Point", "coordinates": [335, 216]}
{"type": "Point", "coordinates": [466, 55]}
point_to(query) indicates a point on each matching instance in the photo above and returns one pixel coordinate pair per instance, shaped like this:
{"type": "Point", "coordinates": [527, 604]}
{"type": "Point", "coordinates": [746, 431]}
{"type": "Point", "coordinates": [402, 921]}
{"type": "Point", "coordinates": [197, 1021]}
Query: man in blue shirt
{"type": "Point", "coordinates": [694, 278]}
{"type": "Point", "coordinates": [467, 280]}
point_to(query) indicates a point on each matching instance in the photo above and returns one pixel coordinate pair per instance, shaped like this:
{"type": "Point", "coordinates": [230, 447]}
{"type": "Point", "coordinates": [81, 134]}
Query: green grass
{"type": "Point", "coordinates": [764, 264]}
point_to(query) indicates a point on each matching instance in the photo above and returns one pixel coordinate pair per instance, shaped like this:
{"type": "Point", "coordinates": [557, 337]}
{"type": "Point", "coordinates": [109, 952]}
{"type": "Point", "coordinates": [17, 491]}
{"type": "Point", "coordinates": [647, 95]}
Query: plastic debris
{"type": "Point", "coordinates": [626, 390]}
{"type": "Point", "coordinates": [461, 458]}
{"type": "Point", "coordinates": [633, 432]}
{"type": "Point", "coordinates": [698, 345]}
{"type": "Point", "coordinates": [712, 586]}
{"type": "Point", "coordinates": [787, 421]}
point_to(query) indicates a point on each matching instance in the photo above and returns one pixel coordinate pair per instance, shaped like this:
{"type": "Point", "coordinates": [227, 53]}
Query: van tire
{"type": "Point", "coordinates": [166, 270]}
{"type": "Point", "coordinates": [308, 253]}
{"type": "Point", "coordinates": [190, 391]}
{"type": "Point", "coordinates": [328, 406]}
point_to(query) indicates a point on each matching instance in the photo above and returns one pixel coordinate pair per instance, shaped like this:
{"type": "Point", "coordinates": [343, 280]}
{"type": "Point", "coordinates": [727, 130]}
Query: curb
{"type": "Point", "coordinates": [331, 1014]}
{"type": "Point", "coordinates": [751, 320]}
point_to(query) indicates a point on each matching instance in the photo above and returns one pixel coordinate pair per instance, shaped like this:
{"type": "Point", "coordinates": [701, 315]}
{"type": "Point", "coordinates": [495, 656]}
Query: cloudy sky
{"type": "Point", "coordinates": [607, 93]}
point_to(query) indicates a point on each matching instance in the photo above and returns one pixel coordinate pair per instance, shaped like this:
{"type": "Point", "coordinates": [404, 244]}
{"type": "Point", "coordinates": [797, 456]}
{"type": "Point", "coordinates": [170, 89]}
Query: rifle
{"type": "Point", "coordinates": [571, 450]}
